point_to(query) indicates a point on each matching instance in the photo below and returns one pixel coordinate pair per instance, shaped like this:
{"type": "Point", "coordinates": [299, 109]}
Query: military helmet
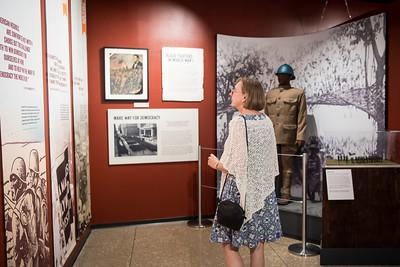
{"type": "Point", "coordinates": [34, 161]}
{"type": "Point", "coordinates": [18, 170]}
{"type": "Point", "coordinates": [286, 69]}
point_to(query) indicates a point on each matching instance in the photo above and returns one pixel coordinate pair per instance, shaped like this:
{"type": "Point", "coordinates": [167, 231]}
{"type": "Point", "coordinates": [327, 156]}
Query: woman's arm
{"type": "Point", "coordinates": [215, 164]}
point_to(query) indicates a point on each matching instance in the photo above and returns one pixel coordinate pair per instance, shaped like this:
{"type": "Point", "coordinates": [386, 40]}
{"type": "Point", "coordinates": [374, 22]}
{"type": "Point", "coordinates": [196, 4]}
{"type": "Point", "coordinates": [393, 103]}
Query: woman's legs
{"type": "Point", "coordinates": [257, 256]}
{"type": "Point", "coordinates": [232, 256]}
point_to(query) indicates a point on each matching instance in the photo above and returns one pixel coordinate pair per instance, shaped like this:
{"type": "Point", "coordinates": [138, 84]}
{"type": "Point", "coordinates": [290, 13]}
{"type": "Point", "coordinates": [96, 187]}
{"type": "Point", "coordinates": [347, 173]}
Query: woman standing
{"type": "Point", "coordinates": [249, 165]}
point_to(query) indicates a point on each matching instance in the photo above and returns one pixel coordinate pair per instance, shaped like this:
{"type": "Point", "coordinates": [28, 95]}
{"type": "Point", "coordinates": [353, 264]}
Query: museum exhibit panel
{"type": "Point", "coordinates": [37, 140]}
{"type": "Point", "coordinates": [338, 87]}
{"type": "Point", "coordinates": [109, 112]}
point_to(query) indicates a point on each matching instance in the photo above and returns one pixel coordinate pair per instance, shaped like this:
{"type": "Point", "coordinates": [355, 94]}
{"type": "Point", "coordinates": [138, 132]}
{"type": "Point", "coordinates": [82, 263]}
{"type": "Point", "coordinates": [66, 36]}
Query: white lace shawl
{"type": "Point", "coordinates": [255, 171]}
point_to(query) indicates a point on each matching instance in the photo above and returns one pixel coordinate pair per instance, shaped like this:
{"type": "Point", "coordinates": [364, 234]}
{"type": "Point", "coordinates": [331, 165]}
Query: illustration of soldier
{"type": "Point", "coordinates": [83, 199]}
{"type": "Point", "coordinates": [26, 214]}
{"type": "Point", "coordinates": [65, 199]}
{"type": "Point", "coordinates": [39, 187]}
{"type": "Point", "coordinates": [83, 190]}
{"type": "Point", "coordinates": [23, 246]}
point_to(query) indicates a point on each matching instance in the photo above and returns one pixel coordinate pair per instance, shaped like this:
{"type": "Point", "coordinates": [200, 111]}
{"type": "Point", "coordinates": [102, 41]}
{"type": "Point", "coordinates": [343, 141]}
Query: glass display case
{"type": "Point", "coordinates": [363, 150]}
{"type": "Point", "coordinates": [380, 148]}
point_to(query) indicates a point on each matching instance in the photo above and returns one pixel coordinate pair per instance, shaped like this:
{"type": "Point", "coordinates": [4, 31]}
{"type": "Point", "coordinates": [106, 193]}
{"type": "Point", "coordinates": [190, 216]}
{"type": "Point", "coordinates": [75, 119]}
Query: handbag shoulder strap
{"type": "Point", "coordinates": [245, 126]}
{"type": "Point", "coordinates": [247, 143]}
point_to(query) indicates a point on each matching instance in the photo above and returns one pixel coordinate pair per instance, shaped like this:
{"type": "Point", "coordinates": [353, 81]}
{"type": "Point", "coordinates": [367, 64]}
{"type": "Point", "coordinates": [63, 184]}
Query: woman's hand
{"type": "Point", "coordinates": [213, 161]}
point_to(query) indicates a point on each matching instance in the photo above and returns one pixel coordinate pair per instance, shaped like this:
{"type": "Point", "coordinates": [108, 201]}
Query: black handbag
{"type": "Point", "coordinates": [229, 213]}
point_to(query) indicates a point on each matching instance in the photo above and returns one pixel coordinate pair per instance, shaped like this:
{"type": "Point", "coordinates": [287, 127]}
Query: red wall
{"type": "Point", "coordinates": [140, 192]}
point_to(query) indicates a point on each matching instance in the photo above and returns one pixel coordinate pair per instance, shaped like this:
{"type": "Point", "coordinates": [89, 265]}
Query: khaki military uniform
{"type": "Point", "coordinates": [286, 107]}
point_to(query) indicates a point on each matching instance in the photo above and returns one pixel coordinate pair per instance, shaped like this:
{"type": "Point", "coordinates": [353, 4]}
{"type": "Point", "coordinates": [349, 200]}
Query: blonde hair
{"type": "Point", "coordinates": [255, 98]}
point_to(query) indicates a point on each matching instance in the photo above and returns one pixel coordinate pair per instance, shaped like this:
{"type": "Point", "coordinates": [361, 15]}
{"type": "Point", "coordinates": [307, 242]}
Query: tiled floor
{"type": "Point", "coordinates": [172, 244]}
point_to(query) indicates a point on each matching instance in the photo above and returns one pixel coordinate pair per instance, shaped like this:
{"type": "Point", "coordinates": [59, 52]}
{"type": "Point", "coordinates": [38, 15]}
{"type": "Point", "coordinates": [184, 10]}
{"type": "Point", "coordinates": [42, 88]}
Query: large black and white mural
{"type": "Point", "coordinates": [342, 71]}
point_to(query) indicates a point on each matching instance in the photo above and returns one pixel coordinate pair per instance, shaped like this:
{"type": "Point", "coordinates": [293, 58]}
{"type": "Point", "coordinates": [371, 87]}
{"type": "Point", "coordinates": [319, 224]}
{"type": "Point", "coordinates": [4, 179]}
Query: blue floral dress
{"type": "Point", "coordinates": [264, 226]}
{"type": "Point", "coordinates": [260, 156]}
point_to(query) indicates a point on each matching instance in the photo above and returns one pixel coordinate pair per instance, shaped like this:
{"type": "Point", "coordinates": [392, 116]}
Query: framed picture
{"type": "Point", "coordinates": [126, 74]}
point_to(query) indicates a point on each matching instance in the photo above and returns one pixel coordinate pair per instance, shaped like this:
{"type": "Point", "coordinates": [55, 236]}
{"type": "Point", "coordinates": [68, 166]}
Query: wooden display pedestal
{"type": "Point", "coordinates": [365, 230]}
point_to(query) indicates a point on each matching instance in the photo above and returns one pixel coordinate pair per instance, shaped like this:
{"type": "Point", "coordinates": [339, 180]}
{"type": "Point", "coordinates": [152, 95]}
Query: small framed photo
{"type": "Point", "coordinates": [126, 74]}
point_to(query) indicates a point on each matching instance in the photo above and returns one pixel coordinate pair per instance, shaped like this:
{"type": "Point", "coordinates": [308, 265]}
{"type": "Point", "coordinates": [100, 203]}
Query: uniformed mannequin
{"type": "Point", "coordinates": [286, 107]}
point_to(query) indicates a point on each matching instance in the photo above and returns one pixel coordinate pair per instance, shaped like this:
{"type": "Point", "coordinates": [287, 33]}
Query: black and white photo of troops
{"type": "Point", "coordinates": [26, 213]}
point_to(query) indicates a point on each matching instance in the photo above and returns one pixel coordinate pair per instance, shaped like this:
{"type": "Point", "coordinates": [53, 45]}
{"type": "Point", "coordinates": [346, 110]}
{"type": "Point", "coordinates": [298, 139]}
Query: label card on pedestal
{"type": "Point", "coordinates": [339, 184]}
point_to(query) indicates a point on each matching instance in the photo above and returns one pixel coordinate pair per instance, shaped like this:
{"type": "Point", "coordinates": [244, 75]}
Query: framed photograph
{"type": "Point", "coordinates": [126, 74]}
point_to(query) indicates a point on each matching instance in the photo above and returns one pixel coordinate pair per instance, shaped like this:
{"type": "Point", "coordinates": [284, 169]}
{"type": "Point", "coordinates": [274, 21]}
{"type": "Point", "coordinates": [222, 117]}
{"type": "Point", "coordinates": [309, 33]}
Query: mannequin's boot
{"type": "Point", "coordinates": [285, 190]}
